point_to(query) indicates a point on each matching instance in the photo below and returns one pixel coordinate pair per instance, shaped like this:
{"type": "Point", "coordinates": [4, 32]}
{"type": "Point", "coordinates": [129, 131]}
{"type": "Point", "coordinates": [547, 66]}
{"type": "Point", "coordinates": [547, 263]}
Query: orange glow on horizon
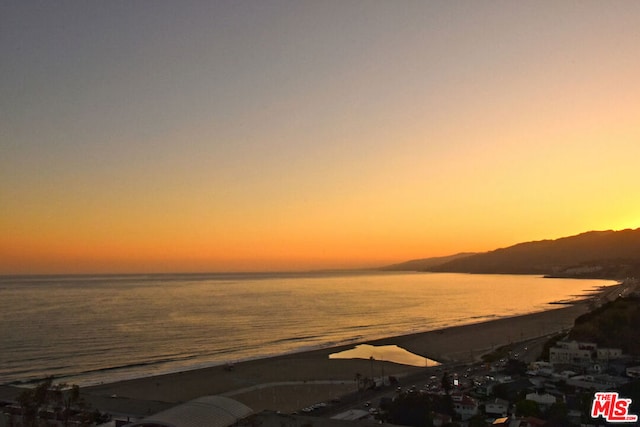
{"type": "Point", "coordinates": [313, 137]}
{"type": "Point", "coordinates": [257, 255]}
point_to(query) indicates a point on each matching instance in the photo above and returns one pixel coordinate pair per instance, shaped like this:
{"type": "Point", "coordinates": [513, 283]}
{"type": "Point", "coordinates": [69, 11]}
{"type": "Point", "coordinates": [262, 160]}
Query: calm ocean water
{"type": "Point", "coordinates": [91, 329]}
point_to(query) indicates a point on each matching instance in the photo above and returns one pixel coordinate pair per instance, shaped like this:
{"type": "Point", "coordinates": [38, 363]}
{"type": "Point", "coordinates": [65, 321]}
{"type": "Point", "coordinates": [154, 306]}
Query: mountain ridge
{"type": "Point", "coordinates": [423, 264]}
{"type": "Point", "coordinates": [592, 254]}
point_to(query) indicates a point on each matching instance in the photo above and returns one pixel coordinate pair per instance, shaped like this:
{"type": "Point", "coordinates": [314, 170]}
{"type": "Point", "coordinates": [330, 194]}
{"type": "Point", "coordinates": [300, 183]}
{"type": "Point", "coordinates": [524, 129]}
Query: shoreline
{"type": "Point", "coordinates": [109, 371]}
{"type": "Point", "coordinates": [291, 381]}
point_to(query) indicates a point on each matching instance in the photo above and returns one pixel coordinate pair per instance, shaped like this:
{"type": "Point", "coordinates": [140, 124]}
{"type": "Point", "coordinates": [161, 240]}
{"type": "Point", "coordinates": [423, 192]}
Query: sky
{"type": "Point", "coordinates": [295, 135]}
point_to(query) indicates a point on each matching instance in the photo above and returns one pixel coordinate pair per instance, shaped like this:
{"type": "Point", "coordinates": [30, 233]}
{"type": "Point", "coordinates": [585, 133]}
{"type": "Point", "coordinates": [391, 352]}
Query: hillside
{"type": "Point", "coordinates": [615, 325]}
{"type": "Point", "coordinates": [424, 263]}
{"type": "Point", "coordinates": [610, 254]}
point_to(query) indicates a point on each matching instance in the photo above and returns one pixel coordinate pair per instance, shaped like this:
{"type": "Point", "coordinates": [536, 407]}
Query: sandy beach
{"type": "Point", "coordinates": [290, 382]}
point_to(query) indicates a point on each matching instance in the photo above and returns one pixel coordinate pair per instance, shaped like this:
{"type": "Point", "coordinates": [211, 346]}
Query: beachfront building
{"type": "Point", "coordinates": [581, 354]}
{"type": "Point", "coordinates": [210, 411]}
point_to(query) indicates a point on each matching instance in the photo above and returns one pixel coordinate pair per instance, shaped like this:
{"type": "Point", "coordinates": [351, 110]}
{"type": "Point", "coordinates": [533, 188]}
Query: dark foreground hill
{"type": "Point", "coordinates": [606, 254]}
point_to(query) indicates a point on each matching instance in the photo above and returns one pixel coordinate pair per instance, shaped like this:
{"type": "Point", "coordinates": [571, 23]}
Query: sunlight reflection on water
{"type": "Point", "coordinates": [388, 353]}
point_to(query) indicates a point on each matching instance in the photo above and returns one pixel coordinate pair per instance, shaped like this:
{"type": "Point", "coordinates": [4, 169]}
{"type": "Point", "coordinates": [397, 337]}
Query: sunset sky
{"type": "Point", "coordinates": [156, 136]}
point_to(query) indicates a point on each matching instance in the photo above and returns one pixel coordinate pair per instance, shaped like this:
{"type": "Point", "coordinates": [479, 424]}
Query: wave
{"type": "Point", "coordinates": [485, 317]}
{"type": "Point", "coordinates": [132, 365]}
{"type": "Point", "coordinates": [294, 339]}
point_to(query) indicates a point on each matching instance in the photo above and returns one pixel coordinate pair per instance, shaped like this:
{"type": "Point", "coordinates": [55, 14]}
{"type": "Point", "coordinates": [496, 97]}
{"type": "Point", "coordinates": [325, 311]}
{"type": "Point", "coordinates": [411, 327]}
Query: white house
{"type": "Point", "coordinates": [464, 406]}
{"type": "Point", "coordinates": [581, 353]}
{"type": "Point", "coordinates": [572, 353]}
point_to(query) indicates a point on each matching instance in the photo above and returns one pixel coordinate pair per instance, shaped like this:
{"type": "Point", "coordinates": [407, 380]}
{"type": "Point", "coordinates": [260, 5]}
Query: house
{"type": "Point", "coordinates": [582, 354]}
{"type": "Point", "coordinates": [464, 406]}
{"type": "Point", "coordinates": [597, 382]}
{"type": "Point", "coordinates": [485, 388]}
{"type": "Point", "coordinates": [572, 353]}
{"type": "Point", "coordinates": [497, 407]}
{"type": "Point", "coordinates": [512, 390]}
{"type": "Point", "coordinates": [544, 400]}
{"type": "Point", "coordinates": [605, 354]}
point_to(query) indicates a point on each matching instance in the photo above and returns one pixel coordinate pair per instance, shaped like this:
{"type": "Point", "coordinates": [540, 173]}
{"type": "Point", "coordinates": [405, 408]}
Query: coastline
{"type": "Point", "coordinates": [292, 381]}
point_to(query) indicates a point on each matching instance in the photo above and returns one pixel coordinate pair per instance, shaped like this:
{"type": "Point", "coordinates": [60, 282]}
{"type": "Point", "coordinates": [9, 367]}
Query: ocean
{"type": "Point", "coordinates": [91, 329]}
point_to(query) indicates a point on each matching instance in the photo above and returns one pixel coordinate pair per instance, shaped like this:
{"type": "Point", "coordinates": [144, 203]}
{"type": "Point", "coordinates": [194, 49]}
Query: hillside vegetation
{"type": "Point", "coordinates": [614, 325]}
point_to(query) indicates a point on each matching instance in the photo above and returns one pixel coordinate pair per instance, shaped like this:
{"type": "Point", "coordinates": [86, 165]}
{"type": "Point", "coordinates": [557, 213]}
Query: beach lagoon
{"type": "Point", "coordinates": [384, 353]}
